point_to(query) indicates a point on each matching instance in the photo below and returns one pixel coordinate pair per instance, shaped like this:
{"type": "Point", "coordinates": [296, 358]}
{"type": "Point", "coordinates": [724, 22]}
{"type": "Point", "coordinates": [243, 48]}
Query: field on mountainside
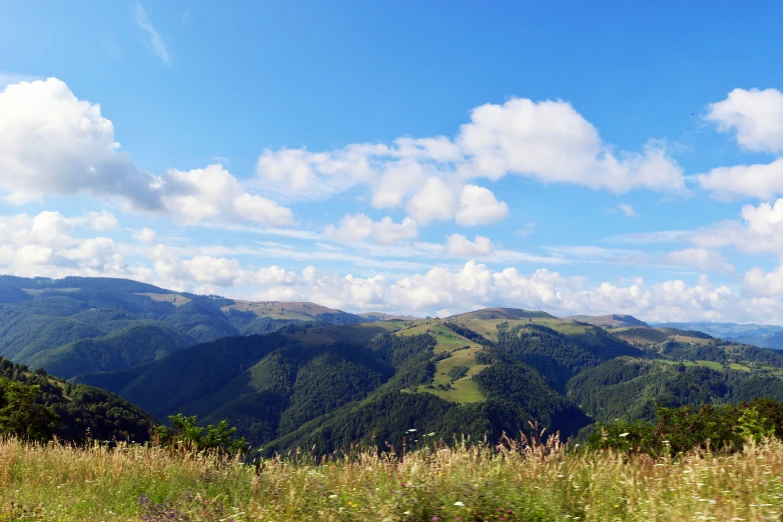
{"type": "Point", "coordinates": [513, 483]}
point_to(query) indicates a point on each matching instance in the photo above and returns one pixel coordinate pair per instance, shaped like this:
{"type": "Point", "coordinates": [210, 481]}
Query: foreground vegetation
{"type": "Point", "coordinates": [512, 482]}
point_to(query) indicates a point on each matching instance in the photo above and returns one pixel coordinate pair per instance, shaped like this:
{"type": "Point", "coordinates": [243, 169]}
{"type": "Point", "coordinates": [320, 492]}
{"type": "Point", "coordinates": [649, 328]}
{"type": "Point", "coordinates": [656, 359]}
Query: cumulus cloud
{"type": "Point", "coordinates": [759, 283]}
{"type": "Point", "coordinates": [43, 245]}
{"type": "Point", "coordinates": [475, 286]}
{"type": "Point", "coordinates": [548, 141]}
{"type": "Point", "coordinates": [472, 286]}
{"type": "Point", "coordinates": [213, 193]}
{"type": "Point", "coordinates": [359, 227]}
{"type": "Point", "coordinates": [762, 181]}
{"type": "Point", "coordinates": [459, 245]}
{"type": "Point", "coordinates": [478, 206]}
{"type": "Point", "coordinates": [754, 116]}
{"type": "Point", "coordinates": [103, 220]}
{"type": "Point", "coordinates": [52, 143]}
{"type": "Point", "coordinates": [435, 201]}
{"type": "Point", "coordinates": [551, 142]}
{"type": "Point", "coordinates": [211, 273]}
{"type": "Point", "coordinates": [759, 229]}
{"type": "Point", "coordinates": [145, 235]}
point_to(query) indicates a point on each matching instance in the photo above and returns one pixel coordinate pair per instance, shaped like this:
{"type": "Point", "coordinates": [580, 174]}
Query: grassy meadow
{"type": "Point", "coordinates": [515, 482]}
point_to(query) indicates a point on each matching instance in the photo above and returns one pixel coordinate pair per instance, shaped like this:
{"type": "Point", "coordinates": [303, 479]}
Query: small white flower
{"type": "Point", "coordinates": [332, 496]}
{"type": "Point", "coordinates": [624, 434]}
{"type": "Point", "coordinates": [411, 430]}
{"type": "Point", "coordinates": [406, 513]}
{"type": "Point", "coordinates": [460, 504]}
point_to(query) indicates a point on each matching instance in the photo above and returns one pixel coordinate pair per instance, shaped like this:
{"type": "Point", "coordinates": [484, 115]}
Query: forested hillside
{"type": "Point", "coordinates": [82, 325]}
{"type": "Point", "coordinates": [81, 412]}
{"type": "Point", "coordinates": [479, 374]}
{"type": "Point", "coordinates": [293, 375]}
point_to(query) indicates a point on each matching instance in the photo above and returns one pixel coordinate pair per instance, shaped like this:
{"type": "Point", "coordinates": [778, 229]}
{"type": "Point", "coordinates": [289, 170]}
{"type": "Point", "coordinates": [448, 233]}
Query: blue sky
{"type": "Point", "coordinates": [417, 157]}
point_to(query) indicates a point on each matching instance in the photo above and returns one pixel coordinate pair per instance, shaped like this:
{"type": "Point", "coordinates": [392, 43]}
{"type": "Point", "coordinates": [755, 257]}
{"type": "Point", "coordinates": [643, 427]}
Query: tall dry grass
{"type": "Point", "coordinates": [513, 482]}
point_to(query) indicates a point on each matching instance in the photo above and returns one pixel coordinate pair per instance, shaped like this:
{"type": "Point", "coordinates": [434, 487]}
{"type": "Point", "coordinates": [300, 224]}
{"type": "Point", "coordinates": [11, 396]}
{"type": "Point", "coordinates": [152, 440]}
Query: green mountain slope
{"type": "Point", "coordinates": [139, 342]}
{"type": "Point", "coordinates": [328, 385]}
{"type": "Point", "coordinates": [608, 321]}
{"type": "Point", "coordinates": [84, 411]}
{"type": "Point", "coordinates": [629, 388]}
{"type": "Point", "coordinates": [48, 322]}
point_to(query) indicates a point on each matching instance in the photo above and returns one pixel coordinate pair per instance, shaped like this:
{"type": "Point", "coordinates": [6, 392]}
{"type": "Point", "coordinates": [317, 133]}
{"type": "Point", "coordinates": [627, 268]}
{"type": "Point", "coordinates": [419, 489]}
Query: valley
{"type": "Point", "coordinates": [290, 375]}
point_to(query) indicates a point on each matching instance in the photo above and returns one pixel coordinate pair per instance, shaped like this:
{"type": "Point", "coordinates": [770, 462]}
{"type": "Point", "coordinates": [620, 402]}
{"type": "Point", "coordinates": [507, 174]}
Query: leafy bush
{"type": "Point", "coordinates": [185, 434]}
{"type": "Point", "coordinates": [726, 428]}
{"type": "Point", "coordinates": [458, 372]}
{"type": "Point", "coordinates": [21, 416]}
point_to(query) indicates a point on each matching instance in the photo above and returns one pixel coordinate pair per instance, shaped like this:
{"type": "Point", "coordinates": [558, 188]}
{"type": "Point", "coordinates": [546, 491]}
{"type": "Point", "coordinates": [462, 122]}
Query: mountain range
{"type": "Point", "coordinates": [761, 335]}
{"type": "Point", "coordinates": [300, 375]}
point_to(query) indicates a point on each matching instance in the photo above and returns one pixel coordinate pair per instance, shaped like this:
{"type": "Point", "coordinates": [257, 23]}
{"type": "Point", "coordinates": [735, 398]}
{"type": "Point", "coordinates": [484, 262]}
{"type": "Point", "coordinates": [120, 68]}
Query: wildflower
{"type": "Point", "coordinates": [624, 434]}
{"type": "Point", "coordinates": [406, 513]}
{"type": "Point", "coordinates": [460, 504]}
{"type": "Point", "coordinates": [332, 496]}
{"type": "Point", "coordinates": [411, 430]}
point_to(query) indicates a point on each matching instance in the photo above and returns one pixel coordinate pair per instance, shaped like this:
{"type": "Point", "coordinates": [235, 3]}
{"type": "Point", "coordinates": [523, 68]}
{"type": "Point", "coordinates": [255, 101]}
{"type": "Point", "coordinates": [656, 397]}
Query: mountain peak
{"type": "Point", "coordinates": [608, 321]}
{"type": "Point", "coordinates": [504, 313]}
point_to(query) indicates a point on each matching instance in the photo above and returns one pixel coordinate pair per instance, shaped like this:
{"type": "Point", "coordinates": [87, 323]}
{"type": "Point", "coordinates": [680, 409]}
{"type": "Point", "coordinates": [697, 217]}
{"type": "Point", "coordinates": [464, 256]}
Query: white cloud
{"type": "Point", "coordinates": [700, 258]}
{"type": "Point", "coordinates": [759, 230]}
{"type": "Point", "coordinates": [359, 227]}
{"type": "Point", "coordinates": [548, 141]}
{"type": "Point", "coordinates": [434, 202]}
{"type": "Point", "coordinates": [213, 193]}
{"type": "Point", "coordinates": [551, 142]}
{"type": "Point", "coordinates": [754, 116]}
{"type": "Point", "coordinates": [52, 143]}
{"type": "Point", "coordinates": [42, 245]}
{"type": "Point", "coordinates": [474, 286]}
{"type": "Point", "coordinates": [478, 206]}
{"type": "Point", "coordinates": [459, 245]}
{"type": "Point", "coordinates": [153, 39]}
{"type": "Point", "coordinates": [627, 210]}
{"type": "Point", "coordinates": [386, 231]}
{"type": "Point", "coordinates": [762, 181]}
{"type": "Point", "coordinates": [759, 283]}
{"type": "Point", "coordinates": [103, 220]}
{"type": "Point", "coordinates": [145, 235]}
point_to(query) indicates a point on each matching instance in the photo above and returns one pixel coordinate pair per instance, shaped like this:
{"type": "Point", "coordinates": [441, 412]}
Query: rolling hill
{"type": "Point", "coordinates": [607, 321]}
{"type": "Point", "coordinates": [79, 325]}
{"type": "Point", "coordinates": [477, 374]}
{"type": "Point", "coordinates": [761, 335]}
{"type": "Point", "coordinates": [85, 411]}
{"type": "Point", "coordinates": [291, 375]}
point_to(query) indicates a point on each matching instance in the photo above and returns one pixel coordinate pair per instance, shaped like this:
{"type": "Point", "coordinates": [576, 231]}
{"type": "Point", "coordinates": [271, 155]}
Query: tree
{"type": "Point", "coordinates": [21, 416]}
{"type": "Point", "coordinates": [184, 433]}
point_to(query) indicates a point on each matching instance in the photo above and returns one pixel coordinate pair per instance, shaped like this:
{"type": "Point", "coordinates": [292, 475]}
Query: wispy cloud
{"type": "Point", "coordinates": [112, 49]}
{"type": "Point", "coordinates": [627, 210]}
{"type": "Point", "coordinates": [153, 38]}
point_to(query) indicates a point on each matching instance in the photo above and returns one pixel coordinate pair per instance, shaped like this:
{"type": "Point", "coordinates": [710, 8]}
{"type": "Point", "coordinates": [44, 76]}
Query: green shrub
{"type": "Point", "coordinates": [725, 428]}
